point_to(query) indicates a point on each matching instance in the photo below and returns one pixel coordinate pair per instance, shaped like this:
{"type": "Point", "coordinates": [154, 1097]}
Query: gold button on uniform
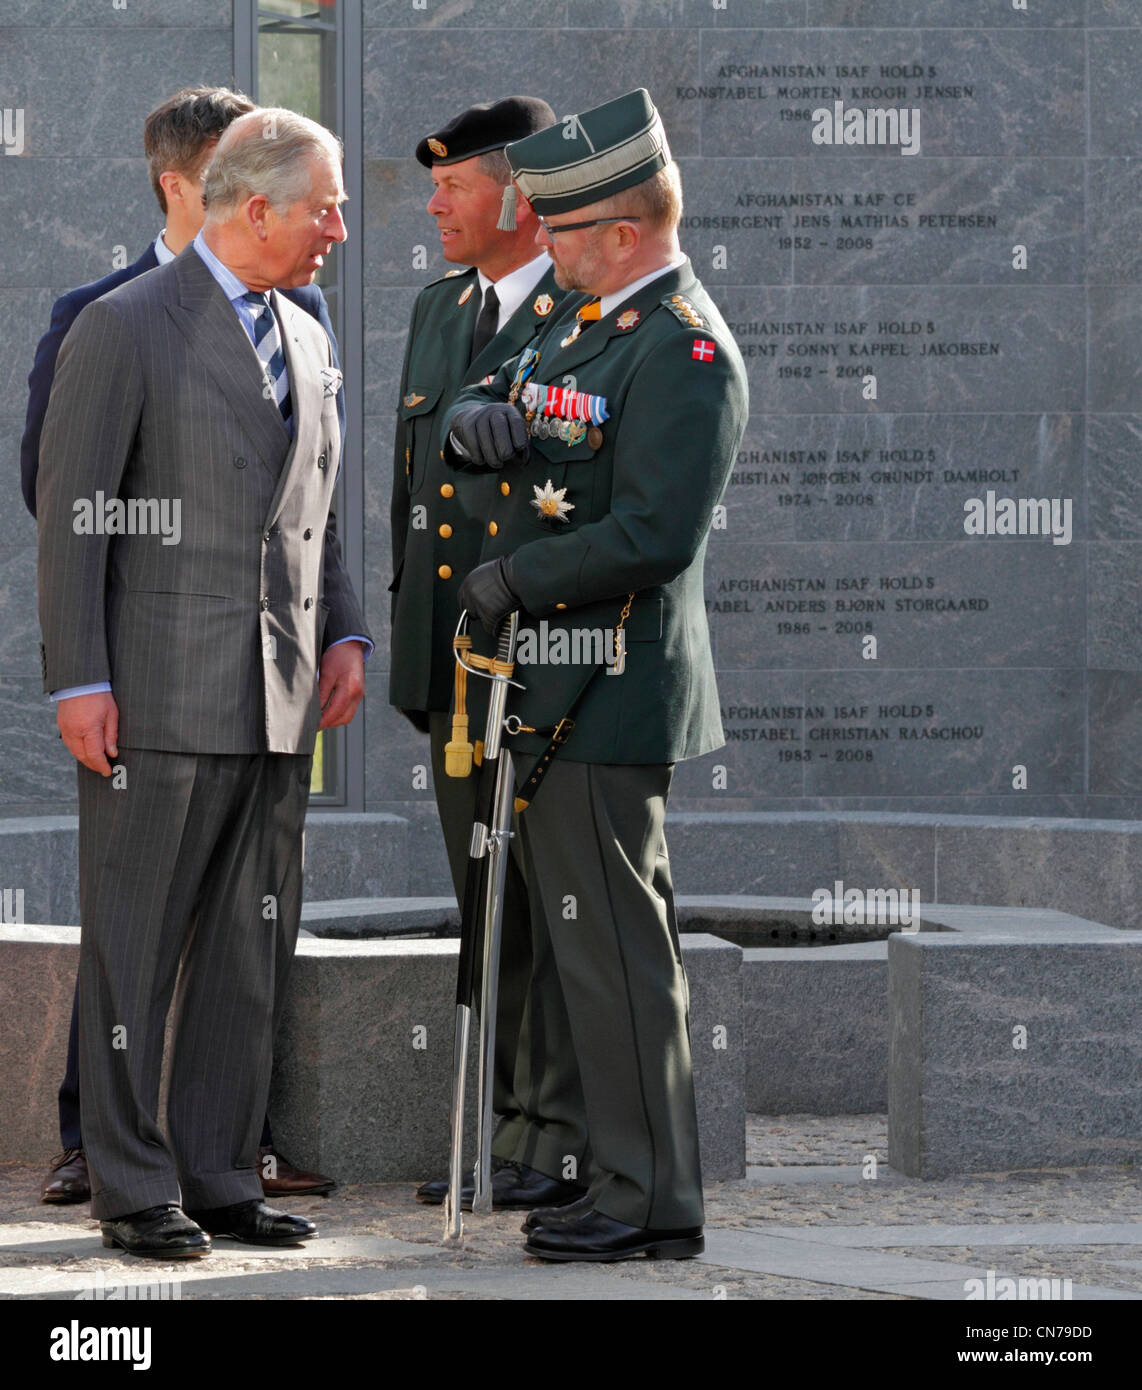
{"type": "Point", "coordinates": [505, 488]}
{"type": "Point", "coordinates": [445, 530]}
{"type": "Point", "coordinates": [561, 605]}
{"type": "Point", "coordinates": [445, 571]}
{"type": "Point", "coordinates": [492, 528]}
{"type": "Point", "coordinates": [446, 489]}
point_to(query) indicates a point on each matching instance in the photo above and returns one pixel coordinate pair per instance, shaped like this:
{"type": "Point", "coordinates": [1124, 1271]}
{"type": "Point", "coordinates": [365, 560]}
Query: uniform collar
{"type": "Point", "coordinates": [514, 288]}
{"type": "Point", "coordinates": [612, 301]}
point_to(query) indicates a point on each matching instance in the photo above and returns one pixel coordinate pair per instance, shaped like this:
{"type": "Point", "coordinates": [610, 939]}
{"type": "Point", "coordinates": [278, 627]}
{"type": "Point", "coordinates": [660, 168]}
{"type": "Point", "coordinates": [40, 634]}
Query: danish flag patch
{"type": "Point", "coordinates": [703, 350]}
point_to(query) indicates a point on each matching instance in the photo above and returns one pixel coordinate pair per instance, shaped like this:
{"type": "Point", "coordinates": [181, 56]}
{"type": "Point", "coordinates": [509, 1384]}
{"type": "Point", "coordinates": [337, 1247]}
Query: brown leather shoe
{"type": "Point", "coordinates": [281, 1179]}
{"type": "Point", "coordinates": [67, 1181]}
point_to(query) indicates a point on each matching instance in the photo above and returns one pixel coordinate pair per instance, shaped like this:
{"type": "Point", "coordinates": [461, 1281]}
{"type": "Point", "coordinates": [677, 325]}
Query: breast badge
{"type": "Point", "coordinates": [549, 501]}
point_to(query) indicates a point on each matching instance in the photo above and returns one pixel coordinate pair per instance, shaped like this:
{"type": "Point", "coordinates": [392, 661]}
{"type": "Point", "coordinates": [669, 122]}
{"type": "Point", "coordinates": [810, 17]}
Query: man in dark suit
{"type": "Point", "coordinates": [599, 527]}
{"type": "Point", "coordinates": [199, 627]}
{"type": "Point", "coordinates": [463, 326]}
{"type": "Point", "coordinates": [179, 137]}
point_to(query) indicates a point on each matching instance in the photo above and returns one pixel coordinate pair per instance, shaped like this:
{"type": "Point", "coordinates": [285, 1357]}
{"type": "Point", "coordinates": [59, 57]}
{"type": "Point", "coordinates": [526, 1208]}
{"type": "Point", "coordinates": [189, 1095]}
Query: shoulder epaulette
{"type": "Point", "coordinates": [451, 275]}
{"type": "Point", "coordinates": [684, 311]}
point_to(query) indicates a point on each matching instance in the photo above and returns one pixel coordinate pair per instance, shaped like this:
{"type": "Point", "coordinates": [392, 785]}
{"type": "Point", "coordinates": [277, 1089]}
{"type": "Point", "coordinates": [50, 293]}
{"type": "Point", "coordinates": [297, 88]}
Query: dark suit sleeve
{"type": "Point", "coordinates": [674, 448]}
{"type": "Point", "coordinates": [89, 432]}
{"type": "Point", "coordinates": [64, 312]}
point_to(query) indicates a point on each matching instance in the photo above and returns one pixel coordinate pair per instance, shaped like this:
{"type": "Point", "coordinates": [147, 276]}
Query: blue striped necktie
{"type": "Point", "coordinates": [268, 346]}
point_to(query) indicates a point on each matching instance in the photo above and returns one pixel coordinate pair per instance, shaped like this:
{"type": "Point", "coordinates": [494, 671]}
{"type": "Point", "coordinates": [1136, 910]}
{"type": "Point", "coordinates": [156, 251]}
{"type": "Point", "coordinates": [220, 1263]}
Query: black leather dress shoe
{"type": "Point", "coordinates": [515, 1187]}
{"type": "Point", "coordinates": [555, 1216]}
{"type": "Point", "coordinates": [67, 1179]}
{"type": "Point", "coordinates": [255, 1223]}
{"type": "Point", "coordinates": [594, 1236]}
{"type": "Point", "coordinates": [165, 1232]}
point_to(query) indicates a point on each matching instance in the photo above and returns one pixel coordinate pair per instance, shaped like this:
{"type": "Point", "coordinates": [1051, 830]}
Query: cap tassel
{"type": "Point", "coordinates": [507, 210]}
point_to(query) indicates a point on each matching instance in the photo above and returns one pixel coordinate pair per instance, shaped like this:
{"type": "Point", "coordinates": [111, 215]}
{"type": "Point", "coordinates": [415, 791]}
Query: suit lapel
{"type": "Point", "coordinates": [306, 389]}
{"type": "Point", "coordinates": [207, 320]}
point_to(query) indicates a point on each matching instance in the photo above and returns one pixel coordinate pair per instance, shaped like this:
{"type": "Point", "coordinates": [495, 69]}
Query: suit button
{"type": "Point", "coordinates": [321, 460]}
{"type": "Point", "coordinates": [239, 463]}
{"type": "Point", "coordinates": [492, 528]}
{"type": "Point", "coordinates": [561, 605]}
{"type": "Point", "coordinates": [446, 489]}
{"type": "Point", "coordinates": [308, 604]}
{"type": "Point", "coordinates": [265, 604]}
{"type": "Point", "coordinates": [445, 530]}
{"type": "Point", "coordinates": [307, 535]}
{"type": "Point", "coordinates": [445, 571]}
{"type": "Point", "coordinates": [505, 488]}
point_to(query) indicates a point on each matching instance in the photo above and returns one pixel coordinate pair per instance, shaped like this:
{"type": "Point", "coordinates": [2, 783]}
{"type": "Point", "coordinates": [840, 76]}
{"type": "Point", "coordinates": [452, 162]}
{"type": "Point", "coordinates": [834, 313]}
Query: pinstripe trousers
{"type": "Point", "coordinates": [190, 870]}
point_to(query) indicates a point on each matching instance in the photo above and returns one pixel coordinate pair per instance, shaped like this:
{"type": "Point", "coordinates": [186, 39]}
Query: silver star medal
{"type": "Point", "coordinates": [548, 501]}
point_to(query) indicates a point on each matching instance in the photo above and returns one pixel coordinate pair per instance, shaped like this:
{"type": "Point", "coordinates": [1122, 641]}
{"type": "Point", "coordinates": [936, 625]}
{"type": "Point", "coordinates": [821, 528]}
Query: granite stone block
{"type": "Point", "coordinates": [853, 219]}
{"type": "Point", "coordinates": [807, 351]}
{"type": "Point", "coordinates": [1114, 581]}
{"type": "Point", "coordinates": [899, 477]}
{"type": "Point", "coordinates": [1114, 99]}
{"type": "Point", "coordinates": [86, 91]}
{"type": "Point", "coordinates": [101, 15]}
{"type": "Point", "coordinates": [1014, 1050]}
{"type": "Point", "coordinates": [757, 88]}
{"type": "Point", "coordinates": [941, 14]}
{"type": "Point", "coordinates": [75, 219]}
{"type": "Point", "coordinates": [1115, 347]}
{"type": "Point", "coordinates": [363, 1065]}
{"type": "Point", "coordinates": [1090, 868]}
{"type": "Point", "coordinates": [1113, 481]}
{"type": "Point", "coordinates": [351, 855]}
{"type": "Point", "coordinates": [817, 1020]}
{"type": "Point", "coordinates": [1116, 738]}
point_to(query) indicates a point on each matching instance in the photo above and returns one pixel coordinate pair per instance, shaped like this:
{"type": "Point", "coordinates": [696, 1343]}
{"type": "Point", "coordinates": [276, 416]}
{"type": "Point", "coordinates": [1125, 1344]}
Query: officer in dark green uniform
{"type": "Point", "coordinates": [613, 435]}
{"type": "Point", "coordinates": [463, 326]}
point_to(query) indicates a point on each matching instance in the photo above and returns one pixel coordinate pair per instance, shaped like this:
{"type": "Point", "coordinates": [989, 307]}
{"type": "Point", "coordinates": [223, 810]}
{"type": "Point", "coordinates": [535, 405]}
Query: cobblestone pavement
{"type": "Point", "coordinates": [818, 1216]}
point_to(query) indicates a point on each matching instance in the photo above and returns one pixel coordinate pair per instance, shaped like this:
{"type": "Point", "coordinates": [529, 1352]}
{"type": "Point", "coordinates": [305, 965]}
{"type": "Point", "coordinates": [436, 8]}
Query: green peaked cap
{"type": "Point", "coordinates": [583, 159]}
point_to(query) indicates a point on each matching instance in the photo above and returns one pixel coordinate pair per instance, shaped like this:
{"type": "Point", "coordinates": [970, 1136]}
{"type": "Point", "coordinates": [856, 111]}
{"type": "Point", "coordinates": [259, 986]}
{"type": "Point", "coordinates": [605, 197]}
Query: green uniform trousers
{"type": "Point", "coordinates": [605, 1027]}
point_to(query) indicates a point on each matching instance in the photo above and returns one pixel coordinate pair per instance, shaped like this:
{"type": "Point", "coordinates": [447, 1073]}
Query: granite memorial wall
{"type": "Point", "coordinates": [921, 219]}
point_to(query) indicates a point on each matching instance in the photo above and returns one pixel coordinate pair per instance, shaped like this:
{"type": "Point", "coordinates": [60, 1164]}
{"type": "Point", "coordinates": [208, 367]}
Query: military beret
{"type": "Point", "coordinates": [588, 157]}
{"type": "Point", "coordinates": [488, 126]}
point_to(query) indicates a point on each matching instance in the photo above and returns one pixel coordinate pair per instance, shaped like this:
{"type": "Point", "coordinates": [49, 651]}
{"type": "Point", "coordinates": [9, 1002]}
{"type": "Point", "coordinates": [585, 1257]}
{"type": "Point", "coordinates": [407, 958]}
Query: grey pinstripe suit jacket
{"type": "Point", "coordinates": [212, 644]}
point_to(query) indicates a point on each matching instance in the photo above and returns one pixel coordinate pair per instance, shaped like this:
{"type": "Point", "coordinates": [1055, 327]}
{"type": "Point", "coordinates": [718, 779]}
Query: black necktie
{"type": "Point", "coordinates": [487, 323]}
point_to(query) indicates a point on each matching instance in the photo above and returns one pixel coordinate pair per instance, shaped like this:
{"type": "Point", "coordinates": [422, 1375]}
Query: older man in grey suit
{"type": "Point", "coordinates": [199, 627]}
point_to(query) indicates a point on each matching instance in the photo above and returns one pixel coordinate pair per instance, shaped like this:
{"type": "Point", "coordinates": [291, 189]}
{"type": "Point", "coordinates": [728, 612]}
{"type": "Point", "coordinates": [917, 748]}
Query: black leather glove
{"type": "Point", "coordinates": [490, 435]}
{"type": "Point", "coordinates": [487, 594]}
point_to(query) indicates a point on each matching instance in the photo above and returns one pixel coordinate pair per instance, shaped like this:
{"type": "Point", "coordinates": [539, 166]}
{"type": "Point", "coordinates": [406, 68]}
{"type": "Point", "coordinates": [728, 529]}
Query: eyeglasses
{"type": "Point", "coordinates": [578, 226]}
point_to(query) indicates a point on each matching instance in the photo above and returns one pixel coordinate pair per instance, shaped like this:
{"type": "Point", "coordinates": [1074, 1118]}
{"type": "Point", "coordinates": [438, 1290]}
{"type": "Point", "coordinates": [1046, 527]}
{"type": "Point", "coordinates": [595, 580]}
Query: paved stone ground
{"type": "Point", "coordinates": [808, 1222]}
